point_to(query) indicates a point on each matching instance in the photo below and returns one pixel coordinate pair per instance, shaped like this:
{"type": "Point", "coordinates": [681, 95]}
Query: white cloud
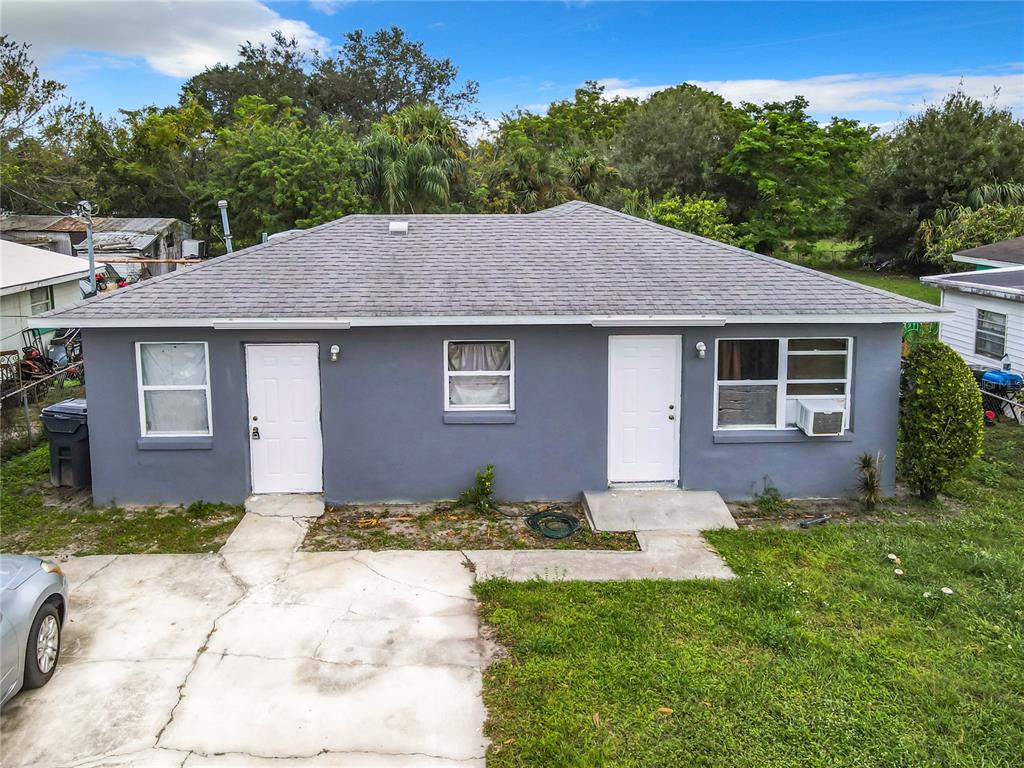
{"type": "Point", "coordinates": [844, 94]}
{"type": "Point", "coordinates": [482, 130]}
{"type": "Point", "coordinates": [177, 37]}
{"type": "Point", "coordinates": [329, 7]}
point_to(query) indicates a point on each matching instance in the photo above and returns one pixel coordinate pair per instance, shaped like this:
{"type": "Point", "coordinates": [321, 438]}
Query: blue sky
{"type": "Point", "coordinates": [874, 61]}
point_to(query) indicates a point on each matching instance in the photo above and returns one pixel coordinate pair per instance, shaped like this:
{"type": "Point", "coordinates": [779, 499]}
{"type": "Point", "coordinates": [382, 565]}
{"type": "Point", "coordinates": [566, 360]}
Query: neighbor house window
{"type": "Point", "coordinates": [41, 299]}
{"type": "Point", "coordinates": [174, 388]}
{"type": "Point", "coordinates": [479, 376]}
{"type": "Point", "coordinates": [760, 381]}
{"type": "Point", "coordinates": [990, 334]}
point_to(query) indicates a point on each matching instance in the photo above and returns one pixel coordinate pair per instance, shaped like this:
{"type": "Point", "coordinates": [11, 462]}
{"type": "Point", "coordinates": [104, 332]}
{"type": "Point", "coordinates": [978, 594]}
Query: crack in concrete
{"type": "Point", "coordinates": [250, 594]}
{"type": "Point", "coordinates": [355, 664]}
{"type": "Point", "coordinates": [407, 584]}
{"type": "Point", "coordinates": [341, 752]}
{"type": "Point", "coordinates": [470, 565]}
{"type": "Point", "coordinates": [205, 644]}
{"type": "Point", "coordinates": [94, 574]}
{"type": "Point", "coordinates": [102, 760]}
{"type": "Point", "coordinates": [294, 518]}
{"type": "Point", "coordinates": [69, 662]}
{"type": "Point", "coordinates": [246, 592]}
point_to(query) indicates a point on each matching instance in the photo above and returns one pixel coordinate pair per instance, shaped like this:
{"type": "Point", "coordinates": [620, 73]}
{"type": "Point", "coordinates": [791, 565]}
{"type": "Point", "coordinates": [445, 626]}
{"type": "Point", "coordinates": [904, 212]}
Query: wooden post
{"type": "Point", "coordinates": [28, 421]}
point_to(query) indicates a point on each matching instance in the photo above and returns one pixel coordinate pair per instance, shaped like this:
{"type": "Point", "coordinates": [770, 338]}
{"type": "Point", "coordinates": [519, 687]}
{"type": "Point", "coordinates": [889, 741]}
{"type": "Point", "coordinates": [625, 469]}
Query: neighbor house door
{"type": "Point", "coordinates": [285, 438]}
{"type": "Point", "coordinates": [643, 408]}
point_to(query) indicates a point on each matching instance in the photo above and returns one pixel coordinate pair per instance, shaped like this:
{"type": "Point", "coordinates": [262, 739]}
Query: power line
{"type": "Point", "coordinates": [36, 200]}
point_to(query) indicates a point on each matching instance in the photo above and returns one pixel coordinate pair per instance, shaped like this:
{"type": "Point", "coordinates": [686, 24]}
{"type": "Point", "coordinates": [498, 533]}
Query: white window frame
{"type": "Point", "coordinates": [989, 335]}
{"type": "Point", "coordinates": [510, 373]}
{"type": "Point", "coordinates": [143, 388]}
{"type": "Point", "coordinates": [782, 380]}
{"type": "Point", "coordinates": [49, 300]}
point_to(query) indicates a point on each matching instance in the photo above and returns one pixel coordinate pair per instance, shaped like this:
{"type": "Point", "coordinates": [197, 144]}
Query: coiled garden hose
{"type": "Point", "coordinates": [553, 524]}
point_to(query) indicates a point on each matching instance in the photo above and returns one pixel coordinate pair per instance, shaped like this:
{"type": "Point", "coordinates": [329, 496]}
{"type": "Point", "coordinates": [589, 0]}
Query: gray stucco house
{"type": "Point", "coordinates": [388, 357]}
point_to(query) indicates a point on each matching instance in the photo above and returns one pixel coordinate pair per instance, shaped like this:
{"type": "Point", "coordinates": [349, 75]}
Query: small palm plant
{"type": "Point", "coordinates": [869, 484]}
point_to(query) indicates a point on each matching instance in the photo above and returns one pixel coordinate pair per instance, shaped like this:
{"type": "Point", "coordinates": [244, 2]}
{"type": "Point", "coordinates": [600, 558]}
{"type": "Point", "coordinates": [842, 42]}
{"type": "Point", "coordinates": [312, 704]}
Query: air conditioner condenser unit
{"type": "Point", "coordinates": [820, 417]}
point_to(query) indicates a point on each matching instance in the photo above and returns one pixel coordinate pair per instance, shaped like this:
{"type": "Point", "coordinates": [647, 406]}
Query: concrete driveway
{"type": "Point", "coordinates": [261, 655]}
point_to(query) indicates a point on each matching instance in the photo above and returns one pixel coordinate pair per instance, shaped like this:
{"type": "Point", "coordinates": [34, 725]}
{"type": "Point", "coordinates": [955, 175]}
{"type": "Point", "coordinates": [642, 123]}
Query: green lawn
{"type": "Point", "coordinates": [905, 285]}
{"type": "Point", "coordinates": [39, 519]}
{"type": "Point", "coordinates": [816, 655]}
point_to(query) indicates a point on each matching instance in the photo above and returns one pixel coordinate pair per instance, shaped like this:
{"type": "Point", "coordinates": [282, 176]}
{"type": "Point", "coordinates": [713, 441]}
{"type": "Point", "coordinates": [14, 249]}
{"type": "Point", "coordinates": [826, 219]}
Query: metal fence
{"type": "Point", "coordinates": [21, 400]}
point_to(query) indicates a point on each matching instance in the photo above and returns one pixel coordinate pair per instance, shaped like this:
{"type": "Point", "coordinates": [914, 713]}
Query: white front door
{"type": "Point", "coordinates": [285, 438]}
{"type": "Point", "coordinates": [643, 408]}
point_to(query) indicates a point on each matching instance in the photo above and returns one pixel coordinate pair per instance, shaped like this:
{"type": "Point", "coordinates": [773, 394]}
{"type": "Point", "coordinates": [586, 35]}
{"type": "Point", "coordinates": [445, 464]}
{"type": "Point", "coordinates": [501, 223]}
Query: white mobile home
{"type": "Point", "coordinates": [33, 281]}
{"type": "Point", "coordinates": [987, 324]}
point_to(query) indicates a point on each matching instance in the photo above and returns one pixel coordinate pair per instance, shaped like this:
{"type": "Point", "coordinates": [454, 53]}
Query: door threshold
{"type": "Point", "coordinates": [642, 485]}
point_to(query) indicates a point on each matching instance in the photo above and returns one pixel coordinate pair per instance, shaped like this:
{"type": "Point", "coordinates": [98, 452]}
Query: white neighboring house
{"type": "Point", "coordinates": [1005, 253]}
{"type": "Point", "coordinates": [33, 281]}
{"type": "Point", "coordinates": [988, 324]}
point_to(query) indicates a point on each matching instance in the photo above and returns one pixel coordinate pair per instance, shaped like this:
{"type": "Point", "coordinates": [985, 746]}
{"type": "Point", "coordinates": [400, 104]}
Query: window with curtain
{"type": "Point", "coordinates": [479, 375]}
{"type": "Point", "coordinates": [990, 334]}
{"type": "Point", "coordinates": [760, 381]}
{"type": "Point", "coordinates": [748, 382]}
{"type": "Point", "coordinates": [41, 299]}
{"type": "Point", "coordinates": [174, 388]}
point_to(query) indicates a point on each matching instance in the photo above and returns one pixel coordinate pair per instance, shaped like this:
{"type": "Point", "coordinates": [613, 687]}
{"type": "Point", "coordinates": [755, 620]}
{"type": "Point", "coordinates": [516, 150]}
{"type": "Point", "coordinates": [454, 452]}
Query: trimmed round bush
{"type": "Point", "coordinates": [941, 419]}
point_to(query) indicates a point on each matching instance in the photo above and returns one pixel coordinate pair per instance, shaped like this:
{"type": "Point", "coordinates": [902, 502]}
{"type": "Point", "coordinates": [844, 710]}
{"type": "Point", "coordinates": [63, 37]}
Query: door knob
{"type": "Point", "coordinates": [255, 433]}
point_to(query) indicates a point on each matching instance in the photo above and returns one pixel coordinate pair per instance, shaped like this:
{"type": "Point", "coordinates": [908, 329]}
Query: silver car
{"type": "Point", "coordinates": [33, 609]}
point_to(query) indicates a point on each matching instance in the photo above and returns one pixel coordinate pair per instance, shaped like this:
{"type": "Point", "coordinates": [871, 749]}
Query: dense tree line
{"type": "Point", "coordinates": [293, 139]}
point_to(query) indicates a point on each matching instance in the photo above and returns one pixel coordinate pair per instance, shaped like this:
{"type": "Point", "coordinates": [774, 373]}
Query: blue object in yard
{"type": "Point", "coordinates": [1007, 381]}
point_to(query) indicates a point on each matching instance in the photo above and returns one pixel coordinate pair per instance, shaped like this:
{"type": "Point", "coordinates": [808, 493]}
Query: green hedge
{"type": "Point", "coordinates": [941, 419]}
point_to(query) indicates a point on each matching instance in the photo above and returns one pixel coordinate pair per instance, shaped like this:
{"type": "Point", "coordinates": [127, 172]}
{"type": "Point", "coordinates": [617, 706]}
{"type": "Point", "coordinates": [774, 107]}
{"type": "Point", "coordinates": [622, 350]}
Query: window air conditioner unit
{"type": "Point", "coordinates": [193, 249]}
{"type": "Point", "coordinates": [820, 417]}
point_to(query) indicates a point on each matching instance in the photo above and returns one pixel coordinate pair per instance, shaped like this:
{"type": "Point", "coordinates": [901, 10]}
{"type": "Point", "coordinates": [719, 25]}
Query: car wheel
{"type": "Point", "coordinates": [43, 647]}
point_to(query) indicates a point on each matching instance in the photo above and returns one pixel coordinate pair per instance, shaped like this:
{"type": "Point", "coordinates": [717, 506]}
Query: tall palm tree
{"type": "Point", "coordinates": [532, 176]}
{"type": "Point", "coordinates": [587, 173]}
{"type": "Point", "coordinates": [412, 158]}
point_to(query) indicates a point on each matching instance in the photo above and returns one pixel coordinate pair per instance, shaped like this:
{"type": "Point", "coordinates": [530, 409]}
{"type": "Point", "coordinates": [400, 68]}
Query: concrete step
{"type": "Point", "coordinates": [656, 509]}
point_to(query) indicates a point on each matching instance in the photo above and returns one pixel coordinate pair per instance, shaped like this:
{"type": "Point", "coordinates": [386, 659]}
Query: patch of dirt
{"type": "Point", "coordinates": [63, 496]}
{"type": "Point", "coordinates": [902, 508]}
{"type": "Point", "coordinates": [445, 526]}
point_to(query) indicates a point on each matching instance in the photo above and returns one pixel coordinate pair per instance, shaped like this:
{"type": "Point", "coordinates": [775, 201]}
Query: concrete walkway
{"type": "Point", "coordinates": [676, 555]}
{"type": "Point", "coordinates": [261, 655]}
{"type": "Point", "coordinates": [667, 523]}
{"type": "Point", "coordinates": [656, 509]}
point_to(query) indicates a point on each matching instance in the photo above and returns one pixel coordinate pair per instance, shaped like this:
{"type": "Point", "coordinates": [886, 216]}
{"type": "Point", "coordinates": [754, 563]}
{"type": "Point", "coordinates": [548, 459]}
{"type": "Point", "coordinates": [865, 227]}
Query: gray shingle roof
{"type": "Point", "coordinates": [576, 259]}
{"type": "Point", "coordinates": [1010, 251]}
{"type": "Point", "coordinates": [1007, 282]}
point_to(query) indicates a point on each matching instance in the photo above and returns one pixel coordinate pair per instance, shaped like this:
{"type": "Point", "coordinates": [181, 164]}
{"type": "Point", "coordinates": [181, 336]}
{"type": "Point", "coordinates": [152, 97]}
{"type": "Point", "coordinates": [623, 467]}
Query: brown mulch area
{"type": "Point", "coordinates": [447, 527]}
{"type": "Point", "coordinates": [903, 507]}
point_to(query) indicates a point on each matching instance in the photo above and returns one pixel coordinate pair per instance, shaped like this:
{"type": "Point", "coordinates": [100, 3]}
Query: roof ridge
{"type": "Point", "coordinates": [767, 259]}
{"type": "Point", "coordinates": [555, 211]}
{"type": "Point", "coordinates": [191, 268]}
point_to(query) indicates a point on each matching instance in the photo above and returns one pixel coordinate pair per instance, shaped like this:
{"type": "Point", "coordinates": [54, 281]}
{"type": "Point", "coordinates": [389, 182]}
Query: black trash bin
{"type": "Point", "coordinates": [67, 430]}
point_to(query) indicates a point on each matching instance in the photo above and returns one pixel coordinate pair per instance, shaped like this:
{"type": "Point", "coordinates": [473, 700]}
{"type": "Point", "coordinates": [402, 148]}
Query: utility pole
{"type": "Point", "coordinates": [223, 205]}
{"type": "Point", "coordinates": [85, 212]}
